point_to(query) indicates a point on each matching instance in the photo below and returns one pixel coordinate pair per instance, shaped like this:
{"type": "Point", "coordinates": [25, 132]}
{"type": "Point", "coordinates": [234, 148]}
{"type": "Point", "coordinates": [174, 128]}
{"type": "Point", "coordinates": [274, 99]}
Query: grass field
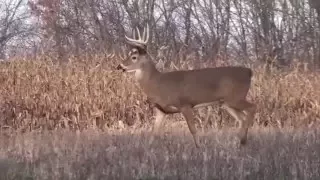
{"type": "Point", "coordinates": [40, 94]}
{"type": "Point", "coordinates": [43, 105]}
{"type": "Point", "coordinates": [129, 154]}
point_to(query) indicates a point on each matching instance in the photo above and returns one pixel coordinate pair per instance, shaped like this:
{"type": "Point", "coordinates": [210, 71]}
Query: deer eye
{"type": "Point", "coordinates": [134, 58]}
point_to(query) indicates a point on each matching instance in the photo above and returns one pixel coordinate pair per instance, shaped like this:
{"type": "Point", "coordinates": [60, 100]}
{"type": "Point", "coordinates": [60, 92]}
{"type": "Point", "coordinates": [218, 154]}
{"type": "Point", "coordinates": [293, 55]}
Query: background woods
{"type": "Point", "coordinates": [241, 31]}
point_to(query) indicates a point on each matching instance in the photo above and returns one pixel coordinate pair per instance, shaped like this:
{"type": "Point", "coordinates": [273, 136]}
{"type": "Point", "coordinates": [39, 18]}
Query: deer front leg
{"type": "Point", "coordinates": [159, 115]}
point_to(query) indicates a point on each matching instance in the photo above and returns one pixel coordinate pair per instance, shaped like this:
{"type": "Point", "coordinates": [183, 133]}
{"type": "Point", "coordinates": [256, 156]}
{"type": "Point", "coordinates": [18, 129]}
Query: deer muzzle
{"type": "Point", "coordinates": [121, 67]}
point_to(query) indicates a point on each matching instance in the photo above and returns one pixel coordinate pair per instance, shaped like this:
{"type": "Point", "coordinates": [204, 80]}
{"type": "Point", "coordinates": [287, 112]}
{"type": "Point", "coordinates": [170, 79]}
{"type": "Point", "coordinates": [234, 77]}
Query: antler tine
{"type": "Point", "coordinates": [139, 35]}
{"type": "Point", "coordinates": [131, 40]}
{"type": "Point", "coordinates": [134, 34]}
{"type": "Point", "coordinates": [134, 39]}
{"type": "Point", "coordinates": [147, 34]}
{"type": "Point", "coordinates": [140, 40]}
{"type": "Point", "coordinates": [144, 34]}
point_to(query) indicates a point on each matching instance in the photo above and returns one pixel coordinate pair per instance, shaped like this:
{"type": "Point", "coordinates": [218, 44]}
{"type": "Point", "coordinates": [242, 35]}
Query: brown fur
{"type": "Point", "coordinates": [181, 91]}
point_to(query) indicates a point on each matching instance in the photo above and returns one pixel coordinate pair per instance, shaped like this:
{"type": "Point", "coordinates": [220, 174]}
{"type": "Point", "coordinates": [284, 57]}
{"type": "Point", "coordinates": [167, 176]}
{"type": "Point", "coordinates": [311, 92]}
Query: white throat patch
{"type": "Point", "coordinates": [138, 74]}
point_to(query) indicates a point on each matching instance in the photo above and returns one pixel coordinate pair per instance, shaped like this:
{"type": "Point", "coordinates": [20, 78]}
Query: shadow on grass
{"type": "Point", "coordinates": [269, 154]}
{"type": "Point", "coordinates": [11, 170]}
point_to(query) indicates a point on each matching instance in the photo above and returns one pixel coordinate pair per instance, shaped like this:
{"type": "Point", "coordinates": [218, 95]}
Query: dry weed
{"type": "Point", "coordinates": [89, 92]}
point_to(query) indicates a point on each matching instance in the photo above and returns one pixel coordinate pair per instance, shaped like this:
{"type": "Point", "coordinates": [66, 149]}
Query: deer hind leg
{"type": "Point", "coordinates": [237, 115]}
{"type": "Point", "coordinates": [249, 111]}
{"type": "Point", "coordinates": [242, 111]}
{"type": "Point", "coordinates": [188, 115]}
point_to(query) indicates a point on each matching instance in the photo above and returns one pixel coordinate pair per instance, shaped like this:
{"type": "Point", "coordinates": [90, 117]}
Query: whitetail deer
{"type": "Point", "coordinates": [181, 91]}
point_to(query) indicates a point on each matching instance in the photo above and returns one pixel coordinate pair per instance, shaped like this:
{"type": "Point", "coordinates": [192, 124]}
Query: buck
{"type": "Point", "coordinates": [182, 91]}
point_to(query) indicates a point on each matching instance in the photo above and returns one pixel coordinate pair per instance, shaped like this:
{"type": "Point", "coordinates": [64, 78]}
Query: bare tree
{"type": "Point", "coordinates": [13, 24]}
{"type": "Point", "coordinates": [243, 31]}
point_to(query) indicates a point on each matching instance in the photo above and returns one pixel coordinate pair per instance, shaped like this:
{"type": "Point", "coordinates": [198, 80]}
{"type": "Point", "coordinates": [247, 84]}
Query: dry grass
{"type": "Point", "coordinates": [270, 154]}
{"type": "Point", "coordinates": [88, 92]}
{"type": "Point", "coordinates": [40, 94]}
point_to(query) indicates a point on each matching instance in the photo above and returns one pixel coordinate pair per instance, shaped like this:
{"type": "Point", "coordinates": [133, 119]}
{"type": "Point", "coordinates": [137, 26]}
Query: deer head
{"type": "Point", "coordinates": [137, 56]}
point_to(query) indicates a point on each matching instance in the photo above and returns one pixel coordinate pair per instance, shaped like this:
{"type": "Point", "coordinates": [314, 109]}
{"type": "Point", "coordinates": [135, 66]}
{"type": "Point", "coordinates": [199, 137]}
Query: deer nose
{"type": "Point", "coordinates": [120, 67]}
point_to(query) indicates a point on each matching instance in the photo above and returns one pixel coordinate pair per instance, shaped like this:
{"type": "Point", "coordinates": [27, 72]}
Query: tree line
{"type": "Point", "coordinates": [241, 31]}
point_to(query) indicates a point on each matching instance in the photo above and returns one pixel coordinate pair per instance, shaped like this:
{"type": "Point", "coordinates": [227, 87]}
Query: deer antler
{"type": "Point", "coordinates": [140, 41]}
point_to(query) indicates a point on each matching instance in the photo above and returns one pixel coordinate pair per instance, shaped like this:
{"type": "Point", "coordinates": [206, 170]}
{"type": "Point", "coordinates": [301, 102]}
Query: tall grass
{"type": "Point", "coordinates": [89, 92]}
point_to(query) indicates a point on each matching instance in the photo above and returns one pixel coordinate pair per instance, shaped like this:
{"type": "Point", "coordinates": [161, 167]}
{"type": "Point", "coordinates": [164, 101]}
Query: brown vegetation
{"type": "Point", "coordinates": [90, 92]}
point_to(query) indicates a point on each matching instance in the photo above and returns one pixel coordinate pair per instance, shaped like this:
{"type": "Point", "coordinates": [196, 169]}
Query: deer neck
{"type": "Point", "coordinates": [147, 79]}
{"type": "Point", "coordinates": [147, 73]}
